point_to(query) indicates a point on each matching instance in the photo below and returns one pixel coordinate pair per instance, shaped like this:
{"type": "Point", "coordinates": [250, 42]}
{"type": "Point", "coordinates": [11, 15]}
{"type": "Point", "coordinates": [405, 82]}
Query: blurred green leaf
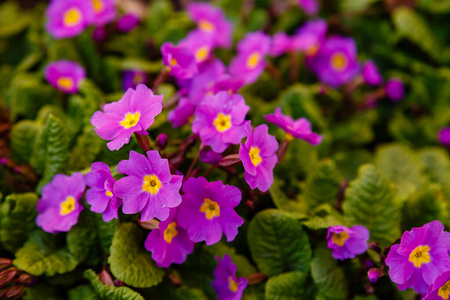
{"type": "Point", "coordinates": [286, 286]}
{"type": "Point", "coordinates": [86, 149]}
{"type": "Point", "coordinates": [12, 19]}
{"type": "Point", "coordinates": [23, 135]}
{"type": "Point", "coordinates": [82, 292]}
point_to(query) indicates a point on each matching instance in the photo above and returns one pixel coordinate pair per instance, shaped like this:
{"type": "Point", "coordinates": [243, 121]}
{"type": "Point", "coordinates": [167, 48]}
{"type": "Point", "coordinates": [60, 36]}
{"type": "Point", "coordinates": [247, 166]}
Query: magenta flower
{"type": "Point", "coordinates": [258, 157]}
{"type": "Point", "coordinates": [169, 243]}
{"type": "Point", "coordinates": [310, 37]}
{"type": "Point", "coordinates": [131, 78]}
{"type": "Point", "coordinates": [210, 157]}
{"type": "Point", "coordinates": [444, 136]}
{"type": "Point", "coordinates": [68, 18]}
{"type": "Point", "coordinates": [370, 73]}
{"type": "Point", "coordinates": [205, 81]}
{"type": "Point", "coordinates": [395, 89]}
{"type": "Point", "coordinates": [181, 114]}
{"type": "Point", "coordinates": [420, 258]}
{"type": "Point", "coordinates": [211, 20]}
{"type": "Point", "coordinates": [311, 7]}
{"type": "Point", "coordinates": [148, 187]}
{"type": "Point", "coordinates": [100, 195]}
{"type": "Point", "coordinates": [180, 61]}
{"type": "Point", "coordinates": [374, 273]}
{"type": "Point", "coordinates": [250, 62]}
{"type": "Point", "coordinates": [58, 209]}
{"type": "Point", "coordinates": [347, 242]}
{"type": "Point", "coordinates": [440, 289]}
{"type": "Point", "coordinates": [219, 120]}
{"type": "Point", "coordinates": [127, 22]}
{"type": "Point", "coordinates": [300, 128]}
{"type": "Point", "coordinates": [200, 44]}
{"type": "Point", "coordinates": [207, 210]}
{"type": "Point", "coordinates": [281, 43]}
{"type": "Point", "coordinates": [226, 284]}
{"type": "Point", "coordinates": [135, 112]}
{"type": "Point", "coordinates": [65, 75]}
{"type": "Point", "coordinates": [104, 11]}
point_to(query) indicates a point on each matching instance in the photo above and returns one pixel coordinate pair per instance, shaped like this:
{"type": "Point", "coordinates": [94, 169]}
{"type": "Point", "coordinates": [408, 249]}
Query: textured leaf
{"type": "Point", "coordinates": [17, 215]}
{"type": "Point", "coordinates": [286, 286]}
{"type": "Point", "coordinates": [82, 292]}
{"type": "Point", "coordinates": [369, 201]}
{"type": "Point", "coordinates": [86, 149]}
{"type": "Point", "coordinates": [323, 217]}
{"type": "Point", "coordinates": [44, 254]}
{"type": "Point", "coordinates": [23, 134]}
{"type": "Point", "coordinates": [348, 162]}
{"type": "Point", "coordinates": [129, 261]}
{"type": "Point", "coordinates": [244, 267]}
{"type": "Point", "coordinates": [278, 243]}
{"type": "Point", "coordinates": [436, 164]}
{"type": "Point", "coordinates": [292, 206]}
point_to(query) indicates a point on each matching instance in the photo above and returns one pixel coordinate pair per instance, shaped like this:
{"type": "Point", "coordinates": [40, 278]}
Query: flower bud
{"type": "Point", "coordinates": [161, 141]}
{"type": "Point", "coordinates": [374, 274]}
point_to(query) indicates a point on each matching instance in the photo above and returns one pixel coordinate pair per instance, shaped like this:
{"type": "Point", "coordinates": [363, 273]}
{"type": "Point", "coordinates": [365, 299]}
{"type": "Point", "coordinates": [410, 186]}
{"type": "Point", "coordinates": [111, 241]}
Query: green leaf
{"type": "Point", "coordinates": [244, 267]}
{"type": "Point", "coordinates": [369, 201]}
{"type": "Point", "coordinates": [282, 202]}
{"type": "Point", "coordinates": [349, 161]}
{"type": "Point", "coordinates": [129, 261]}
{"type": "Point", "coordinates": [323, 217]}
{"type": "Point", "coordinates": [86, 149]}
{"type": "Point", "coordinates": [355, 5]}
{"type": "Point", "coordinates": [12, 19]}
{"type": "Point", "coordinates": [82, 292]}
{"type": "Point", "coordinates": [23, 134]}
{"type": "Point", "coordinates": [287, 286]}
{"type": "Point", "coordinates": [328, 277]}
{"type": "Point", "coordinates": [44, 254]}
{"type": "Point", "coordinates": [106, 292]}
{"type": "Point", "coordinates": [436, 164]}
{"type": "Point", "coordinates": [278, 243]}
{"type": "Point", "coordinates": [17, 219]}
{"type": "Point", "coordinates": [355, 131]}
{"type": "Point", "coordinates": [41, 291]}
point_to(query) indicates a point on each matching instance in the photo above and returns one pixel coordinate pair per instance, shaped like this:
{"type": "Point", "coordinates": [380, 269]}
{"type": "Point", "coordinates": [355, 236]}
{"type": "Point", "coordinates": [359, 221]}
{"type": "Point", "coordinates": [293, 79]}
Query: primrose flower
{"type": "Point", "coordinates": [211, 21]}
{"type": "Point", "coordinates": [65, 75]}
{"type": "Point", "coordinates": [281, 43]}
{"type": "Point", "coordinates": [180, 61]}
{"type": "Point", "coordinates": [135, 112]}
{"type": "Point", "coordinates": [370, 73]}
{"type": "Point", "coordinates": [204, 82]}
{"type": "Point", "coordinates": [100, 195]}
{"type": "Point", "coordinates": [310, 37]}
{"type": "Point", "coordinates": [207, 210]}
{"type": "Point", "coordinates": [250, 61]}
{"type": "Point", "coordinates": [395, 89]}
{"type": "Point", "coordinates": [58, 209]}
{"type": "Point", "coordinates": [104, 11]}
{"type": "Point", "coordinates": [374, 273]}
{"type": "Point", "coordinates": [440, 289]}
{"type": "Point", "coordinates": [68, 18]}
{"type": "Point", "coordinates": [200, 44]}
{"type": "Point", "coordinates": [127, 22]}
{"type": "Point", "coordinates": [300, 128]}
{"type": "Point", "coordinates": [219, 120]}
{"type": "Point", "coordinates": [148, 187]}
{"type": "Point", "coordinates": [181, 114]}
{"type": "Point", "coordinates": [420, 258]}
{"type": "Point", "coordinates": [258, 157]}
{"type": "Point", "coordinates": [226, 284]}
{"type": "Point", "coordinates": [347, 242]}
{"type": "Point", "coordinates": [444, 136]}
{"type": "Point", "coordinates": [131, 78]}
{"type": "Point", "coordinates": [311, 7]}
{"type": "Point", "coordinates": [169, 243]}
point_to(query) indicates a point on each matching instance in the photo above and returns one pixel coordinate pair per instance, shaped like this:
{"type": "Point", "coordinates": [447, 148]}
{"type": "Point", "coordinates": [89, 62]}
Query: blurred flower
{"type": "Point", "coordinates": [127, 22]}
{"type": "Point", "coordinates": [370, 73]}
{"type": "Point", "coordinates": [200, 44]}
{"type": "Point", "coordinates": [180, 61]}
{"type": "Point", "coordinates": [310, 37]}
{"type": "Point", "coordinates": [250, 60]}
{"type": "Point", "coordinates": [104, 11]}
{"type": "Point", "coordinates": [65, 75]}
{"type": "Point", "coordinates": [135, 112]}
{"type": "Point", "coordinates": [373, 274]}
{"type": "Point", "coordinates": [210, 157]}
{"type": "Point", "coordinates": [444, 136]}
{"type": "Point", "coordinates": [181, 114]}
{"type": "Point", "coordinates": [300, 128]}
{"type": "Point", "coordinates": [347, 242]}
{"type": "Point", "coordinates": [258, 157]}
{"type": "Point", "coordinates": [207, 210]}
{"type": "Point", "coordinates": [169, 243]}
{"type": "Point", "coordinates": [161, 141]}
{"type": "Point", "coordinates": [131, 78]}
{"type": "Point", "coordinates": [58, 209]}
{"type": "Point", "coordinates": [219, 120]}
{"type": "Point", "coordinates": [148, 187]}
{"type": "Point", "coordinates": [211, 21]}
{"type": "Point", "coordinates": [395, 89]}
{"type": "Point", "coordinates": [226, 284]}
{"type": "Point", "coordinates": [421, 256]}
{"type": "Point", "coordinates": [99, 34]}
{"type": "Point", "coordinates": [440, 288]}
{"type": "Point", "coordinates": [100, 195]}
{"type": "Point", "coordinates": [204, 82]}
{"type": "Point", "coordinates": [281, 43]}
{"type": "Point", "coordinates": [311, 7]}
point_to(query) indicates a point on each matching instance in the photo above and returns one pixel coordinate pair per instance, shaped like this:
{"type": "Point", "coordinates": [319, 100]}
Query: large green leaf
{"type": "Point", "coordinates": [129, 260]}
{"type": "Point", "coordinates": [287, 286]}
{"type": "Point", "coordinates": [278, 243]}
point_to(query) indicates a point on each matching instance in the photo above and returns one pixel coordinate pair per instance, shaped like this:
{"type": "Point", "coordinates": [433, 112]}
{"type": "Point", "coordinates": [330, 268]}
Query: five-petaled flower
{"type": "Point", "coordinates": [347, 242]}
{"type": "Point", "coordinates": [65, 75]}
{"type": "Point", "coordinates": [440, 289]}
{"type": "Point", "coordinates": [226, 284]}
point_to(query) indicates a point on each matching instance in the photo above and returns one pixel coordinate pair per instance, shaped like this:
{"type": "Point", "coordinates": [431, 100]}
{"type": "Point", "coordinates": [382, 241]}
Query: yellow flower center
{"type": "Point", "coordinates": [233, 285]}
{"type": "Point", "coordinates": [151, 184]}
{"type": "Point", "coordinates": [67, 206]}
{"type": "Point", "coordinates": [339, 61]}
{"type": "Point", "coordinates": [289, 137]}
{"type": "Point", "coordinates": [173, 62]}
{"type": "Point", "coordinates": [420, 255]}
{"type": "Point", "coordinates": [254, 156]}
{"type": "Point", "coordinates": [340, 238]}
{"type": "Point", "coordinates": [206, 25]}
{"type": "Point", "coordinates": [210, 208]}
{"type": "Point", "coordinates": [253, 60]}
{"type": "Point", "coordinates": [72, 17]}
{"type": "Point", "coordinates": [98, 5]}
{"type": "Point", "coordinates": [444, 291]}
{"type": "Point", "coordinates": [222, 122]}
{"type": "Point", "coordinates": [65, 83]}
{"type": "Point", "coordinates": [130, 120]}
{"type": "Point", "coordinates": [170, 232]}
{"type": "Point", "coordinates": [312, 50]}
{"type": "Point", "coordinates": [201, 54]}
{"type": "Point", "coordinates": [108, 193]}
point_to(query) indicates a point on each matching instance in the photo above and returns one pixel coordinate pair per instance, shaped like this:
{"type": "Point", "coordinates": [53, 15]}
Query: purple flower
{"type": "Point", "coordinates": [131, 78]}
{"type": "Point", "coordinates": [211, 20]}
{"type": "Point", "coordinates": [226, 284]}
{"type": "Point", "coordinates": [99, 34]}
{"type": "Point", "coordinates": [104, 11]}
{"type": "Point", "coordinates": [440, 289]}
{"type": "Point", "coordinates": [258, 157]}
{"type": "Point", "coordinates": [219, 120]}
{"type": "Point", "coordinates": [395, 89]}
{"type": "Point", "coordinates": [58, 209]}
{"type": "Point", "coordinates": [444, 136]}
{"type": "Point", "coordinates": [135, 112]}
{"type": "Point", "coordinates": [210, 157]}
{"type": "Point", "coordinates": [370, 73]}
{"type": "Point", "coordinates": [127, 22]}
{"type": "Point", "coordinates": [207, 210]}
{"type": "Point", "coordinates": [65, 75]}
{"type": "Point", "coordinates": [180, 61]}
{"type": "Point", "coordinates": [149, 186]}
{"type": "Point", "coordinates": [205, 81]}
{"type": "Point", "coordinates": [311, 7]}
{"type": "Point", "coordinates": [300, 128]}
{"type": "Point", "coordinates": [310, 37]}
{"type": "Point", "coordinates": [181, 114]}
{"type": "Point", "coordinates": [169, 243]}
{"type": "Point", "coordinates": [68, 18]}
{"type": "Point", "coordinates": [250, 61]}
{"type": "Point", "coordinates": [347, 242]}
{"type": "Point", "coordinates": [200, 44]}
{"type": "Point", "coordinates": [100, 195]}
{"type": "Point", "coordinates": [374, 273]}
{"type": "Point", "coordinates": [281, 43]}
{"type": "Point", "coordinates": [420, 258]}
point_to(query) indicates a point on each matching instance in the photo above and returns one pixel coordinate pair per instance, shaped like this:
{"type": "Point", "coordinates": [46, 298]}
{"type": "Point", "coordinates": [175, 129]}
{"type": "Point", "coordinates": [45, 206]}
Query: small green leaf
{"type": "Point", "coordinates": [23, 134]}
{"type": "Point", "coordinates": [436, 164]}
{"type": "Point", "coordinates": [323, 217]}
{"type": "Point", "coordinates": [82, 292]}
{"type": "Point", "coordinates": [12, 19]}
{"type": "Point", "coordinates": [287, 286]}
{"type": "Point", "coordinates": [86, 149]}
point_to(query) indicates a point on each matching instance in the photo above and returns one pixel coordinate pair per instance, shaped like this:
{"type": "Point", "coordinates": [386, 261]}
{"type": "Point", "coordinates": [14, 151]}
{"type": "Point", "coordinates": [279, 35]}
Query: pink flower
{"type": "Point", "coordinates": [347, 242]}
{"type": "Point", "coordinates": [65, 75]}
{"type": "Point", "coordinates": [180, 61]}
{"type": "Point", "coordinates": [226, 284]}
